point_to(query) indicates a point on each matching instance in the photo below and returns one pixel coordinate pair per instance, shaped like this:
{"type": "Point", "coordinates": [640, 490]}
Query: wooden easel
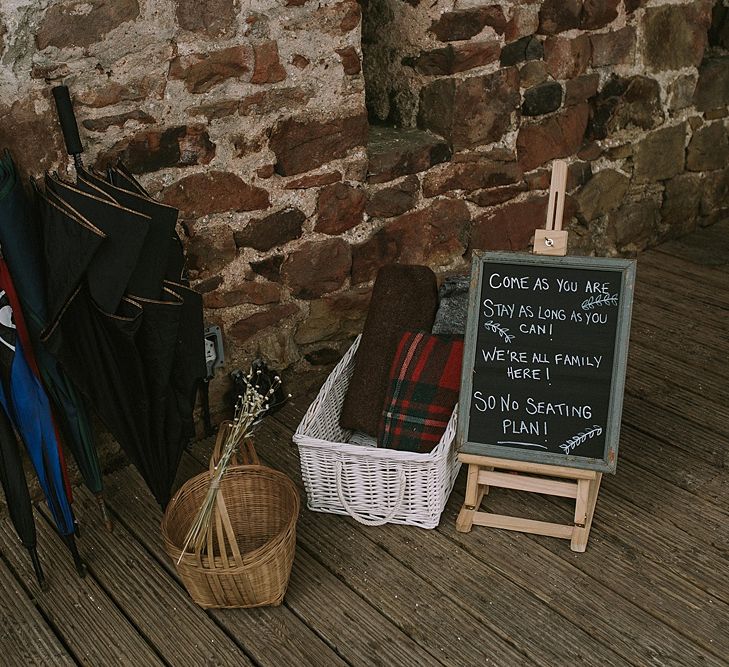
{"type": "Point", "coordinates": [487, 471]}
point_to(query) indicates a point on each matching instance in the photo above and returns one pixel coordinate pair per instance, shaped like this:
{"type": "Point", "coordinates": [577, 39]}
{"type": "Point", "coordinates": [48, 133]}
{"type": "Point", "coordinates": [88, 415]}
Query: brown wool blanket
{"type": "Point", "coordinates": [404, 298]}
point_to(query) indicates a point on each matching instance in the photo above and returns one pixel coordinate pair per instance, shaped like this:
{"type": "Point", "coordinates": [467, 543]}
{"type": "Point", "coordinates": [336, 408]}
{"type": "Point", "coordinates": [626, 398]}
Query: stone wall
{"type": "Point", "coordinates": [252, 118]}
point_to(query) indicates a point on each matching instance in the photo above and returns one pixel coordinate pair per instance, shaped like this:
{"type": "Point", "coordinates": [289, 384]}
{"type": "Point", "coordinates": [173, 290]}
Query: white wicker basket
{"type": "Point", "coordinates": [373, 486]}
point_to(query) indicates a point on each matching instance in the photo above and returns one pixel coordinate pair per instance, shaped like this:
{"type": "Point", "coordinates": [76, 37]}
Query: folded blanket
{"type": "Point", "coordinates": [424, 382]}
{"type": "Point", "coordinates": [453, 308]}
{"type": "Point", "coordinates": [403, 298]}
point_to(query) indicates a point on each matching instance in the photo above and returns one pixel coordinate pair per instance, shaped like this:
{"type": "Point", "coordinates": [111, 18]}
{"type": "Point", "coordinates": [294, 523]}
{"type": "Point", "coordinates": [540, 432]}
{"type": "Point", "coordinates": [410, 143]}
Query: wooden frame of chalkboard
{"type": "Point", "coordinates": [544, 360]}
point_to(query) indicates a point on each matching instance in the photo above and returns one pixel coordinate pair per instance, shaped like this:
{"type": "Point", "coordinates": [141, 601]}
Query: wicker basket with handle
{"type": "Point", "coordinates": [249, 553]}
{"type": "Point", "coordinates": [372, 485]}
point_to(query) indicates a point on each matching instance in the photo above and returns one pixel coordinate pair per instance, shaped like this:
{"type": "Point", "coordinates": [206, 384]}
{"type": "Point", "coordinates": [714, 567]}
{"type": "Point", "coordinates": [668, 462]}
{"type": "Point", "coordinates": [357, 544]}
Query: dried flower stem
{"type": "Point", "coordinates": [250, 406]}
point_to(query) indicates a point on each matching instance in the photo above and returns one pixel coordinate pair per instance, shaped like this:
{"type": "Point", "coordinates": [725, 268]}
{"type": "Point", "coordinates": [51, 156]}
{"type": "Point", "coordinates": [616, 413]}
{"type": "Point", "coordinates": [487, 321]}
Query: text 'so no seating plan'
{"type": "Point", "coordinates": [545, 356]}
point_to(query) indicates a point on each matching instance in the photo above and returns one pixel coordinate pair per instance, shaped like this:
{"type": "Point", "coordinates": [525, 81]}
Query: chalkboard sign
{"type": "Point", "coordinates": [544, 362]}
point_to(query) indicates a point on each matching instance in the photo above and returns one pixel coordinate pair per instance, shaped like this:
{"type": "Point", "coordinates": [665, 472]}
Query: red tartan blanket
{"type": "Point", "coordinates": [425, 377]}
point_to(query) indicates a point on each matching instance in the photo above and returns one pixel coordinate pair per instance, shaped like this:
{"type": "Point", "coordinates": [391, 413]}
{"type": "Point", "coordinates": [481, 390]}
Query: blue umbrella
{"type": "Point", "coordinates": [26, 404]}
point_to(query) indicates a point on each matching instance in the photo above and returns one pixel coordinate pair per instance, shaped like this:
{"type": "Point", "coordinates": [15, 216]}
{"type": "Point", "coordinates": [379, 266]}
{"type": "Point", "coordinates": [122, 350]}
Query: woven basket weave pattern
{"type": "Point", "coordinates": [374, 486]}
{"type": "Point", "coordinates": [253, 541]}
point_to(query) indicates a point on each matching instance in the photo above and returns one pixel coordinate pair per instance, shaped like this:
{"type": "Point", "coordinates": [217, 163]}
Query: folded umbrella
{"type": "Point", "coordinates": [22, 248]}
{"type": "Point", "coordinates": [99, 352]}
{"type": "Point", "coordinates": [25, 403]}
{"type": "Point", "coordinates": [171, 338]}
{"type": "Point", "coordinates": [129, 337]}
{"type": "Point", "coordinates": [150, 268]}
{"type": "Point", "coordinates": [97, 349]}
{"type": "Point", "coordinates": [113, 264]}
{"type": "Point", "coordinates": [17, 497]}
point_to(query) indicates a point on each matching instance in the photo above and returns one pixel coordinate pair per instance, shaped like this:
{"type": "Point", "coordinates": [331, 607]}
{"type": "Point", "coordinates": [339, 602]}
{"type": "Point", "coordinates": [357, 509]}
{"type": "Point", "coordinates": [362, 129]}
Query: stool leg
{"type": "Point", "coordinates": [473, 498]}
{"type": "Point", "coordinates": [587, 491]}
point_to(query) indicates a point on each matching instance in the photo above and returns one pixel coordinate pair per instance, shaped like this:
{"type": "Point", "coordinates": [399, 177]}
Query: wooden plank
{"type": "Point", "coordinates": [675, 508]}
{"type": "Point", "coordinates": [692, 321]}
{"type": "Point", "coordinates": [680, 305]}
{"type": "Point", "coordinates": [482, 593]}
{"type": "Point", "coordinates": [671, 340]}
{"type": "Point", "coordinates": [679, 326]}
{"type": "Point", "coordinates": [707, 246]}
{"type": "Point", "coordinates": [82, 614]}
{"type": "Point", "coordinates": [407, 600]}
{"type": "Point", "coordinates": [583, 521]}
{"type": "Point", "coordinates": [361, 635]}
{"type": "Point", "coordinates": [272, 636]}
{"type": "Point", "coordinates": [354, 628]}
{"type": "Point", "coordinates": [524, 483]}
{"type": "Point", "coordinates": [506, 522]}
{"type": "Point", "coordinates": [700, 441]}
{"type": "Point", "coordinates": [665, 541]}
{"type": "Point", "coordinates": [472, 485]}
{"type": "Point", "coordinates": [678, 266]}
{"type": "Point", "coordinates": [713, 389]}
{"type": "Point", "coordinates": [678, 466]}
{"type": "Point", "coordinates": [527, 467]}
{"type": "Point", "coordinates": [644, 613]}
{"type": "Point", "coordinates": [662, 392]}
{"type": "Point", "coordinates": [485, 593]}
{"type": "Point", "coordinates": [26, 639]}
{"type": "Point", "coordinates": [147, 596]}
{"type": "Point", "coordinates": [684, 288]}
{"type": "Point", "coordinates": [571, 598]}
{"type": "Point", "coordinates": [434, 621]}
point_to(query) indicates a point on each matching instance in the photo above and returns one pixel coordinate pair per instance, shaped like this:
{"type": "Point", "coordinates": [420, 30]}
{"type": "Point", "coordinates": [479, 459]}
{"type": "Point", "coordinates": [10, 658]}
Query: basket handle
{"type": "Point", "coordinates": [221, 531]}
{"type": "Point", "coordinates": [246, 455]}
{"type": "Point", "coordinates": [224, 529]}
{"type": "Point", "coordinates": [249, 457]}
{"type": "Point", "coordinates": [357, 517]}
{"type": "Point", "coordinates": [219, 442]}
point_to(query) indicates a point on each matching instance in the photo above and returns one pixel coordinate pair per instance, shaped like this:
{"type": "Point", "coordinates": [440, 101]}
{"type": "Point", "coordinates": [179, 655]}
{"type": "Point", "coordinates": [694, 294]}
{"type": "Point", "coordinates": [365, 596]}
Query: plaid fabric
{"type": "Point", "coordinates": [425, 377]}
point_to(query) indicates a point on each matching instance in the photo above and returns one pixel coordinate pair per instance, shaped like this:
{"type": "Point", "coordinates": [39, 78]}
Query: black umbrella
{"type": "Point", "coordinates": [111, 267]}
{"type": "Point", "coordinates": [17, 497]}
{"type": "Point", "coordinates": [157, 247]}
{"type": "Point", "coordinates": [129, 337]}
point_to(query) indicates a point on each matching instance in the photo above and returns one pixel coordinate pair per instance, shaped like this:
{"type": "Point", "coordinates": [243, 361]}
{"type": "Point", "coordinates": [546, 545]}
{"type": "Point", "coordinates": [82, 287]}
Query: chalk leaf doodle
{"type": "Point", "coordinates": [577, 440]}
{"type": "Point", "coordinates": [497, 328]}
{"type": "Point", "coordinates": [597, 300]}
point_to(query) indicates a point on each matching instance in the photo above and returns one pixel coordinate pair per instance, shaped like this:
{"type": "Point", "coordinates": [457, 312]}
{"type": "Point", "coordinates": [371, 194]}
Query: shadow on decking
{"type": "Point", "coordinates": [652, 588]}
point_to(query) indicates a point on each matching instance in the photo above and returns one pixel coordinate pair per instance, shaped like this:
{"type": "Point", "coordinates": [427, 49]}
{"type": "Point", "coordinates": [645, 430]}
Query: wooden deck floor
{"type": "Point", "coordinates": [652, 588]}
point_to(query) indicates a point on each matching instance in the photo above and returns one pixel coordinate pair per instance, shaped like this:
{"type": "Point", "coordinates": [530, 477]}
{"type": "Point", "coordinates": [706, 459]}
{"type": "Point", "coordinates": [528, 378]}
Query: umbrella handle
{"type": "Point", "coordinates": [69, 127]}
